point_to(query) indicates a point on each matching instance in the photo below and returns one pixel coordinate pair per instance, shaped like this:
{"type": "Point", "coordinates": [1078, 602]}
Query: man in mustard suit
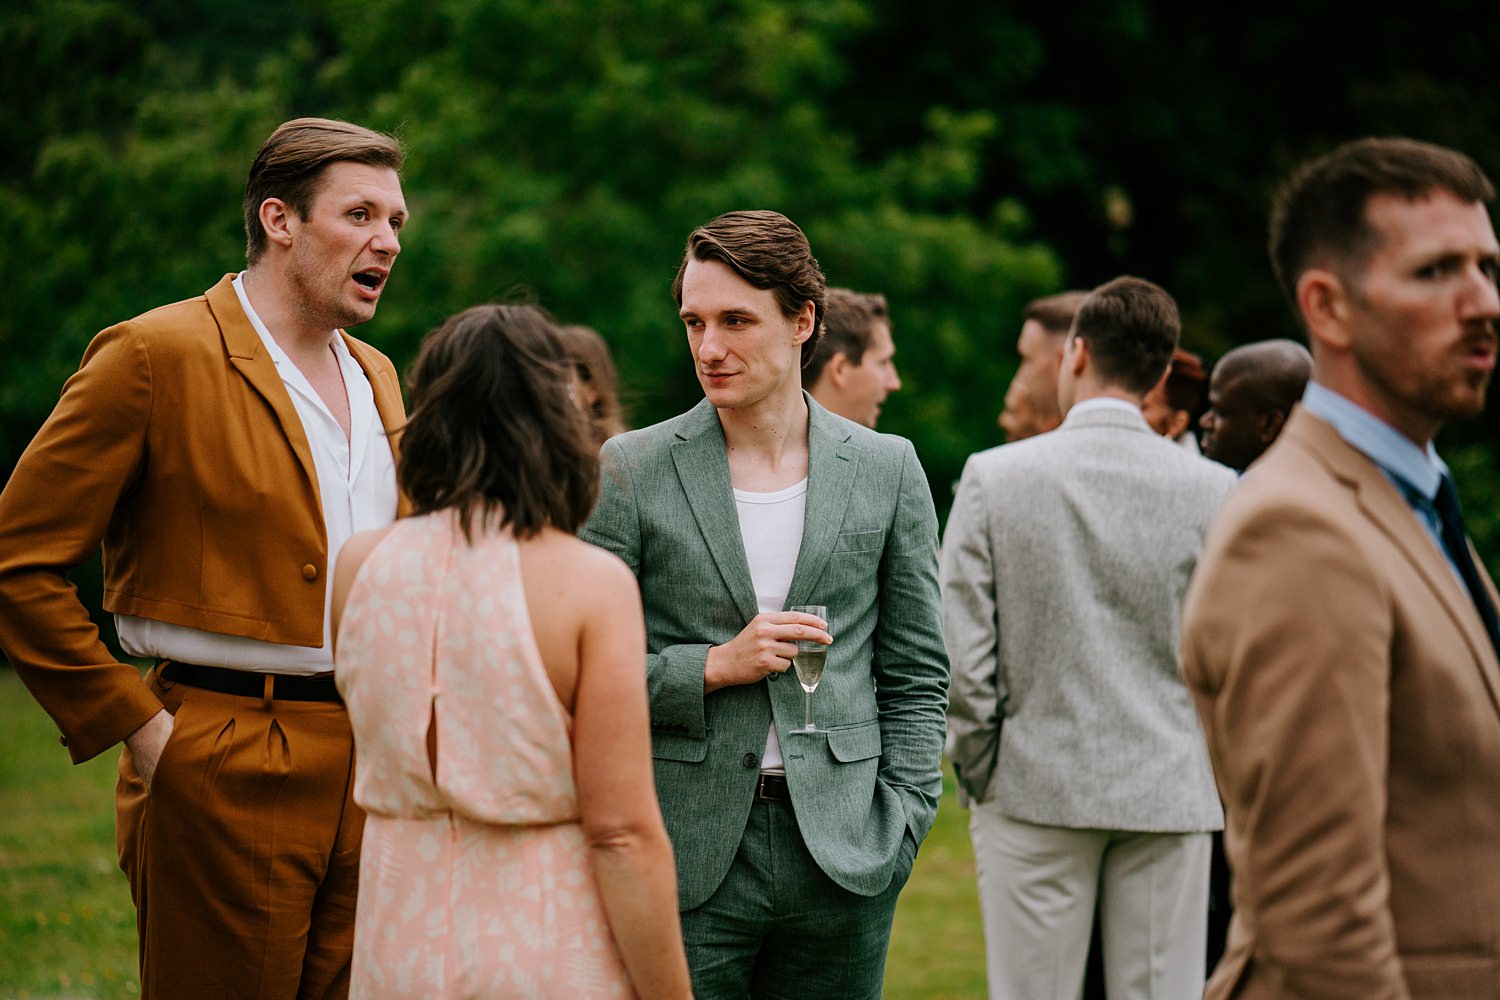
{"type": "Point", "coordinates": [222, 449]}
{"type": "Point", "coordinates": [1340, 634]}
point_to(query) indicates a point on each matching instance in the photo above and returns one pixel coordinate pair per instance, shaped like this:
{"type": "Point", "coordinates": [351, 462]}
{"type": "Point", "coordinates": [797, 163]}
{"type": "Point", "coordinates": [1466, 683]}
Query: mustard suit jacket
{"type": "Point", "coordinates": [177, 446]}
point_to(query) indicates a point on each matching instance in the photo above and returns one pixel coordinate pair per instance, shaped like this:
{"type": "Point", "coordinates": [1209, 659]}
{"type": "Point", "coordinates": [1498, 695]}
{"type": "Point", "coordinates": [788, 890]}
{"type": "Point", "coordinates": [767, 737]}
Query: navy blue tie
{"type": "Point", "coordinates": [1455, 540]}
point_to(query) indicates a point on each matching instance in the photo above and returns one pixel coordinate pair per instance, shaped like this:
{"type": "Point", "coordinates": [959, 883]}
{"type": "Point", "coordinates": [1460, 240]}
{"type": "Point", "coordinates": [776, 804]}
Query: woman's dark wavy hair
{"type": "Point", "coordinates": [493, 426]}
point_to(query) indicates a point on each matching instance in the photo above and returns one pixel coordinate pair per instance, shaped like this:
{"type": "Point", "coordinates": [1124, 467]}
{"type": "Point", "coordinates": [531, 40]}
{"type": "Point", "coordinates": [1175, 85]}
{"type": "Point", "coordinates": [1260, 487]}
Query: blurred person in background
{"type": "Point", "coordinates": [853, 367]}
{"type": "Point", "coordinates": [1031, 398]}
{"type": "Point", "coordinates": [1173, 405]}
{"type": "Point", "coordinates": [493, 668]}
{"type": "Point", "coordinates": [1250, 396]}
{"type": "Point", "coordinates": [596, 385]}
{"type": "Point", "coordinates": [1072, 734]}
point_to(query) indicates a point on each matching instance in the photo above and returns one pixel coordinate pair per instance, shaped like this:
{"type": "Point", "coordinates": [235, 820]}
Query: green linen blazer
{"type": "Point", "coordinates": [869, 553]}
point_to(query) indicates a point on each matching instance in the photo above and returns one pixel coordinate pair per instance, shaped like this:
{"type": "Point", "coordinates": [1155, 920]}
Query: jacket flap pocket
{"type": "Point", "coordinates": [859, 742]}
{"type": "Point", "coordinates": [859, 541]}
{"type": "Point", "coordinates": [672, 746]}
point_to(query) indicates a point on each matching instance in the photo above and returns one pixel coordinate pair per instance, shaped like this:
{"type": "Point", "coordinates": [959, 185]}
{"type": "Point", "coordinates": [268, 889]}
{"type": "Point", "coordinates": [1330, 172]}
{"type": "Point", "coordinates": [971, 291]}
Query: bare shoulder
{"type": "Point", "coordinates": [357, 549]}
{"type": "Point", "coordinates": [351, 557]}
{"type": "Point", "coordinates": [590, 568]}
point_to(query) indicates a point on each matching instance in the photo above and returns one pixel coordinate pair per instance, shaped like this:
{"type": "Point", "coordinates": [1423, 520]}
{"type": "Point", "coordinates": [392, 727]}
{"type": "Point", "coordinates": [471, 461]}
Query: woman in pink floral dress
{"type": "Point", "coordinates": [493, 666]}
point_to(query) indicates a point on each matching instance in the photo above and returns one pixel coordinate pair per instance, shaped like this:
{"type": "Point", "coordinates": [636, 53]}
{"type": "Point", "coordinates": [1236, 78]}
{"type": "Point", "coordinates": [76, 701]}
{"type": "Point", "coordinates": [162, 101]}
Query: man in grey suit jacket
{"type": "Point", "coordinates": [791, 846]}
{"type": "Point", "coordinates": [1063, 570]}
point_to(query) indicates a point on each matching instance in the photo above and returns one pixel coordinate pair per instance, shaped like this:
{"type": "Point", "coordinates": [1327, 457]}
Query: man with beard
{"type": "Point", "coordinates": [1340, 634]}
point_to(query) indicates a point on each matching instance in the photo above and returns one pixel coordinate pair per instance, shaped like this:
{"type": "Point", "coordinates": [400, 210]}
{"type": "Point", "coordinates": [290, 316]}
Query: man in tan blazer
{"type": "Point", "coordinates": [1340, 634]}
{"type": "Point", "coordinates": [222, 449]}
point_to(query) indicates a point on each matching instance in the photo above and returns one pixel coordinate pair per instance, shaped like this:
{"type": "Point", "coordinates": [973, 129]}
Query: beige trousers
{"type": "Point", "coordinates": [1037, 890]}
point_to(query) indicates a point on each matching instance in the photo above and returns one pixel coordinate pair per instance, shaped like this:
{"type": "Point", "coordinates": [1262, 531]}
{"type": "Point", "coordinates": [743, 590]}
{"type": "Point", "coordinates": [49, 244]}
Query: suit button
{"type": "Point", "coordinates": [63, 740]}
{"type": "Point", "coordinates": [749, 760]}
{"type": "Point", "coordinates": [309, 572]}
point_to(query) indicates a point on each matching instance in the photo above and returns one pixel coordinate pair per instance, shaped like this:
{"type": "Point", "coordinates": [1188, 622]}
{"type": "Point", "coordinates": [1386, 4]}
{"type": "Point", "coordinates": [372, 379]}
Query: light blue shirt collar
{"type": "Point", "coordinates": [1412, 468]}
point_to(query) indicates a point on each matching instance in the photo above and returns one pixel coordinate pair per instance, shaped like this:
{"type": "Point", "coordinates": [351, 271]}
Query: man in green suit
{"type": "Point", "coordinates": [791, 846]}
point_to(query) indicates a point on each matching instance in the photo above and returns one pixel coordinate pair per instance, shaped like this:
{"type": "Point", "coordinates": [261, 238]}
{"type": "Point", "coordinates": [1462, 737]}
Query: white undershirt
{"type": "Point", "coordinates": [771, 528]}
{"type": "Point", "coordinates": [357, 487]}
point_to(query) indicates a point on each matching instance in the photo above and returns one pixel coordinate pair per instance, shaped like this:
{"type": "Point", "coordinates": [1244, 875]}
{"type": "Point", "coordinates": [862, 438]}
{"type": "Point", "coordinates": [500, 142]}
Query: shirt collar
{"type": "Point", "coordinates": [1101, 403]}
{"type": "Point", "coordinates": [1397, 455]}
{"type": "Point", "coordinates": [340, 349]}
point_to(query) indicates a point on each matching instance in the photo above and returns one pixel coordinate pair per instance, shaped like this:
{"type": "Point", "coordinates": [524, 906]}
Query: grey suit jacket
{"type": "Point", "coordinates": [869, 553]}
{"type": "Point", "coordinates": [1063, 570]}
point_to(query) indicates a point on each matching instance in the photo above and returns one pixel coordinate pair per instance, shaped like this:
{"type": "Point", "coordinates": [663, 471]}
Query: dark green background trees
{"type": "Point", "coordinates": [960, 158]}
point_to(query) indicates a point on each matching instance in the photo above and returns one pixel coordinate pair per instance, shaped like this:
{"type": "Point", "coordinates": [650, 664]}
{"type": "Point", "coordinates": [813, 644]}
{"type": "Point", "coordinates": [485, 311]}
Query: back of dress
{"type": "Point", "coordinates": [437, 632]}
{"type": "Point", "coordinates": [478, 883]}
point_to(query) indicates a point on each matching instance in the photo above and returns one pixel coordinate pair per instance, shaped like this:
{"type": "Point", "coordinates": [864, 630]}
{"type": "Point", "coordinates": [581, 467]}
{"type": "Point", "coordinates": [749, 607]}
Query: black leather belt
{"type": "Point", "coordinates": [772, 788]}
{"type": "Point", "coordinates": [284, 687]}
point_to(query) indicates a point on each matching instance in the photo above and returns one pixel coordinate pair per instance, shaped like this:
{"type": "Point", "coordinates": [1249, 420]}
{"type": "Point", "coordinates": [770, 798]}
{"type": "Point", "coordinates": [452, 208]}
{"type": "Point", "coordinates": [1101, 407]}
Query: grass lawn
{"type": "Point", "coordinates": [67, 929]}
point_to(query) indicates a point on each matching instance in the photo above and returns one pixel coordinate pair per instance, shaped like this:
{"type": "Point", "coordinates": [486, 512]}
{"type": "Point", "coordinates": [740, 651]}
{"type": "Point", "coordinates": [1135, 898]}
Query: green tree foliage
{"type": "Point", "coordinates": [1147, 136]}
{"type": "Point", "coordinates": [960, 158]}
{"type": "Point", "coordinates": [559, 152]}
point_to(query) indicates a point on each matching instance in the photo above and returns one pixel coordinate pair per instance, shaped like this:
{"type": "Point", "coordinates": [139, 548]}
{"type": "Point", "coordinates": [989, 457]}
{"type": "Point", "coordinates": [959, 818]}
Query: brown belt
{"type": "Point", "coordinates": [251, 684]}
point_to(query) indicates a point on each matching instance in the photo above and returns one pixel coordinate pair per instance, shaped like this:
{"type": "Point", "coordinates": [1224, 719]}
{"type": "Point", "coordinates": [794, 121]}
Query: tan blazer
{"type": "Point", "coordinates": [1351, 700]}
{"type": "Point", "coordinates": [177, 446]}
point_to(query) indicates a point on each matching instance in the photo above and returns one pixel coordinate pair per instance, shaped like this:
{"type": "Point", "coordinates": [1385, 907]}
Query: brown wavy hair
{"type": "Point", "coordinates": [1132, 327]}
{"type": "Point", "coordinates": [768, 251]}
{"type": "Point", "coordinates": [493, 427]}
{"type": "Point", "coordinates": [848, 329]}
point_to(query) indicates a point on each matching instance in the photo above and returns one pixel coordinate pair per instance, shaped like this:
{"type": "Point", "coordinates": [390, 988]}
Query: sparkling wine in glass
{"type": "Point", "coordinates": [808, 663]}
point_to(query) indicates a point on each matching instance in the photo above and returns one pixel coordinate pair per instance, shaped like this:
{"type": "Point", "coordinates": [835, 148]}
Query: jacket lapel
{"type": "Point", "coordinates": [1383, 503]}
{"type": "Point", "coordinates": [832, 461]}
{"type": "Point", "coordinates": [703, 469]}
{"type": "Point", "coordinates": [250, 359]}
{"type": "Point", "coordinates": [387, 403]}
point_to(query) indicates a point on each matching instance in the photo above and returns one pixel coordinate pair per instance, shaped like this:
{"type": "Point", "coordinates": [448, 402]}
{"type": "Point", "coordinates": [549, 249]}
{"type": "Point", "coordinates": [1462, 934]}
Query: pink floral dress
{"type": "Point", "coordinates": [478, 883]}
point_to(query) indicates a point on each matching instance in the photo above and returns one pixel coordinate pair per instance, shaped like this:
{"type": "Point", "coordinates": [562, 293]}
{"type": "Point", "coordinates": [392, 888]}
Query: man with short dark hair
{"type": "Point", "coordinates": [1250, 394]}
{"type": "Point", "coordinates": [853, 367]}
{"type": "Point", "coordinates": [791, 844]}
{"type": "Point", "coordinates": [1340, 636]}
{"type": "Point", "coordinates": [223, 448]}
{"type": "Point", "coordinates": [1072, 734]}
{"type": "Point", "coordinates": [1031, 398]}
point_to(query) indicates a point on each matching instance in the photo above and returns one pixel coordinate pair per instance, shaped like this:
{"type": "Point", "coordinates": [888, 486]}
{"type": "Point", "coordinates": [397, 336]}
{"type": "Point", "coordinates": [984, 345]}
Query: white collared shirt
{"type": "Point", "coordinates": [357, 488]}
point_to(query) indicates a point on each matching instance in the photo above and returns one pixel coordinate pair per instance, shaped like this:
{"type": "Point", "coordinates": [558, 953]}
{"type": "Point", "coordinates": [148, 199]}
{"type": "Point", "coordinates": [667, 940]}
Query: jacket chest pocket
{"type": "Point", "coordinates": [859, 541]}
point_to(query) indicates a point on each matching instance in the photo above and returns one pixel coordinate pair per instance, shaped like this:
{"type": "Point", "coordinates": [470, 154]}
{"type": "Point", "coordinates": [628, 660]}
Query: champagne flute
{"type": "Point", "coordinates": [808, 663]}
